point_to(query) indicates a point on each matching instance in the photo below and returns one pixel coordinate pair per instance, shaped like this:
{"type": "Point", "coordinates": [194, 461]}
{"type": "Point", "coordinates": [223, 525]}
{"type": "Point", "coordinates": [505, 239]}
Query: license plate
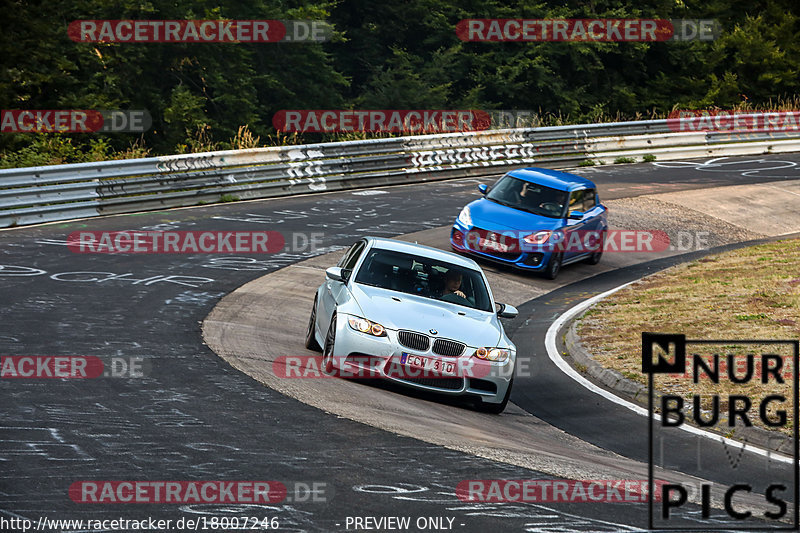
{"type": "Point", "coordinates": [431, 364]}
{"type": "Point", "coordinates": [493, 245]}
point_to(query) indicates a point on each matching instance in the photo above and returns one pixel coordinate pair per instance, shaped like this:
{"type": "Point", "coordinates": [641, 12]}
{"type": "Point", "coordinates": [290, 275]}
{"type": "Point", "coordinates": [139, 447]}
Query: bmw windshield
{"type": "Point", "coordinates": [425, 277]}
{"type": "Point", "coordinates": [529, 197]}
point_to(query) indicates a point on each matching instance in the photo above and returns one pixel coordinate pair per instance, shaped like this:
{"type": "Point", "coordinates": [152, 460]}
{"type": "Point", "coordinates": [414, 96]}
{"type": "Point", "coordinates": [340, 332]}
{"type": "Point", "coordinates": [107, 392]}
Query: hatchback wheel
{"type": "Point", "coordinates": [553, 267]}
{"type": "Point", "coordinates": [595, 257]}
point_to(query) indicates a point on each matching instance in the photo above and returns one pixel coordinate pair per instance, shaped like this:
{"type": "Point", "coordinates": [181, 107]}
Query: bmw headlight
{"type": "Point", "coordinates": [464, 217]}
{"type": "Point", "coordinates": [497, 355]}
{"type": "Point", "coordinates": [366, 326]}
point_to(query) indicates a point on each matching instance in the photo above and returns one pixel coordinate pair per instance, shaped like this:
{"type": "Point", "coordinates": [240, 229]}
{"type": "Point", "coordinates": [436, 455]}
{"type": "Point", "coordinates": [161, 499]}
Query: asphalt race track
{"type": "Point", "coordinates": [194, 417]}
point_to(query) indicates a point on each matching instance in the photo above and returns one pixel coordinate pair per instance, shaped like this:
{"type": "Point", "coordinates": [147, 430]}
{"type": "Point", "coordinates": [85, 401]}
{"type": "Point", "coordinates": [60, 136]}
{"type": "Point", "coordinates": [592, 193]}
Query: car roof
{"type": "Point", "coordinates": [554, 179]}
{"type": "Point", "coordinates": [422, 250]}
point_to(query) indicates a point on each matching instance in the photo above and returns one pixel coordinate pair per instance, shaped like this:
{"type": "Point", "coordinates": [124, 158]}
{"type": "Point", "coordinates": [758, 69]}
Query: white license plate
{"type": "Point", "coordinates": [431, 364]}
{"type": "Point", "coordinates": [493, 245]}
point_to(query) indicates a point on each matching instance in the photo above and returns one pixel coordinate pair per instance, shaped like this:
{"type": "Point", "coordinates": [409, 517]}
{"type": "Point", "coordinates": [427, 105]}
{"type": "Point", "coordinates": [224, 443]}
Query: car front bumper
{"type": "Point", "coordinates": [532, 261]}
{"type": "Point", "coordinates": [360, 355]}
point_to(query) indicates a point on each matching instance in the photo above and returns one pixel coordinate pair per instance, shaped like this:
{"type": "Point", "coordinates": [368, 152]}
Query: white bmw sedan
{"type": "Point", "coordinates": [415, 315]}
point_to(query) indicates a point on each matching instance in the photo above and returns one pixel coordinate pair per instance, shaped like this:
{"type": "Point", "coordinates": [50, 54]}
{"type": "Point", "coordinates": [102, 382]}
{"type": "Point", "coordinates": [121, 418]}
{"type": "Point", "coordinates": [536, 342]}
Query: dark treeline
{"type": "Point", "coordinates": [383, 55]}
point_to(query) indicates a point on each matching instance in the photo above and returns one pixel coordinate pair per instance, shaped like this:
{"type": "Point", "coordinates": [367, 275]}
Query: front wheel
{"type": "Point", "coordinates": [311, 337]}
{"type": "Point", "coordinates": [553, 267]}
{"type": "Point", "coordinates": [496, 408]}
{"type": "Point", "coordinates": [330, 341]}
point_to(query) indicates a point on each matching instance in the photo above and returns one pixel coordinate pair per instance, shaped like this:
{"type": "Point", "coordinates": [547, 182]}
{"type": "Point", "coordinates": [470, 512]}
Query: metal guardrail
{"type": "Point", "coordinates": [61, 192]}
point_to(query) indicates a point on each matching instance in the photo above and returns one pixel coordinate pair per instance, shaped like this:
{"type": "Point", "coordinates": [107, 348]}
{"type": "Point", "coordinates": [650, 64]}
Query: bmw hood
{"type": "Point", "coordinates": [489, 215]}
{"type": "Point", "coordinates": [416, 313]}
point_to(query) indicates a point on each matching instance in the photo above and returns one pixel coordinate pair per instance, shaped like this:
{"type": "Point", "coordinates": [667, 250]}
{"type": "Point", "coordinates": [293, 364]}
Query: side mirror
{"type": "Point", "coordinates": [483, 188]}
{"type": "Point", "coordinates": [575, 215]}
{"type": "Point", "coordinates": [507, 311]}
{"type": "Point", "coordinates": [335, 273]}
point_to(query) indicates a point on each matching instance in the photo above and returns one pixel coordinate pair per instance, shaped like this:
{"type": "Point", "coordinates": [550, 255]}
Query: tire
{"type": "Point", "coordinates": [553, 267]}
{"type": "Point", "coordinates": [311, 338]}
{"type": "Point", "coordinates": [327, 352]}
{"type": "Point", "coordinates": [595, 257]}
{"type": "Point", "coordinates": [496, 408]}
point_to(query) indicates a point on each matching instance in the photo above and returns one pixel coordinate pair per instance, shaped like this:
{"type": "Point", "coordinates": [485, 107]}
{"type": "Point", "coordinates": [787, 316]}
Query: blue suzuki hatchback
{"type": "Point", "coordinates": [534, 219]}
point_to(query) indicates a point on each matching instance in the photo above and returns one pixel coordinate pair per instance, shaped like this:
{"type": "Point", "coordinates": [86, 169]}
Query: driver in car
{"type": "Point", "coordinates": [528, 196]}
{"type": "Point", "coordinates": [524, 196]}
{"type": "Point", "coordinates": [452, 284]}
